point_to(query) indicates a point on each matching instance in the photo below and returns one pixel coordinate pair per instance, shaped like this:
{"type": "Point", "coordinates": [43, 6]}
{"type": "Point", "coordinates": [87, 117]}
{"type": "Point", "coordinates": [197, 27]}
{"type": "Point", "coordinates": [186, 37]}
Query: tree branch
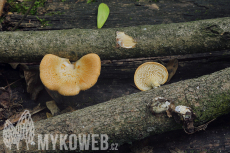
{"type": "Point", "coordinates": [152, 40]}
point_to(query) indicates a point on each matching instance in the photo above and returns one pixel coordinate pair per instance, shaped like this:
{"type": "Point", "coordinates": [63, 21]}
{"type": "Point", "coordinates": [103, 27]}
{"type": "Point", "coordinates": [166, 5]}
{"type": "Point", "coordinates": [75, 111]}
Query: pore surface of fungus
{"type": "Point", "coordinates": [149, 75]}
{"type": "Point", "coordinates": [68, 79]}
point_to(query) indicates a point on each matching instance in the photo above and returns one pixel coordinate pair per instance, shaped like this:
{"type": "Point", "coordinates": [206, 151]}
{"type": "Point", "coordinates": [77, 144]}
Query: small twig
{"type": "Point", "coordinates": [27, 12]}
{"type": "Point", "coordinates": [204, 126]}
{"type": "Point", "coordinates": [134, 86]}
{"type": "Point", "coordinates": [13, 82]}
{"type": "Point", "coordinates": [199, 128]}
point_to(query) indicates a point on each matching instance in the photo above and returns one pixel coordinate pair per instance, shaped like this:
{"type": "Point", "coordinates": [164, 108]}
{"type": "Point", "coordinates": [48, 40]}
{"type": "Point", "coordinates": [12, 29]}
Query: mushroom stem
{"type": "Point", "coordinates": [154, 82]}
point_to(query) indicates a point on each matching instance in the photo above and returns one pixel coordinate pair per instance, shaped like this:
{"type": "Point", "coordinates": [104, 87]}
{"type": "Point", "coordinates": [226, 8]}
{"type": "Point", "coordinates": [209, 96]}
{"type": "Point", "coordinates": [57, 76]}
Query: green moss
{"type": "Point", "coordinates": [54, 13]}
{"type": "Point", "coordinates": [217, 106]}
{"type": "Point", "coordinates": [211, 30]}
{"type": "Point", "coordinates": [22, 7]}
{"type": "Point", "coordinates": [89, 1]}
{"type": "Point", "coordinates": [43, 22]}
{"type": "Point", "coordinates": [1, 19]}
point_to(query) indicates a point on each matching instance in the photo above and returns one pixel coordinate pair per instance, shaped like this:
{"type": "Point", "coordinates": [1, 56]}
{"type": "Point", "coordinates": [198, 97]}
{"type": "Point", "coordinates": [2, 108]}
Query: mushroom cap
{"type": "Point", "coordinates": [149, 75]}
{"type": "Point", "coordinates": [68, 79]}
{"type": "Point", "coordinates": [2, 3]}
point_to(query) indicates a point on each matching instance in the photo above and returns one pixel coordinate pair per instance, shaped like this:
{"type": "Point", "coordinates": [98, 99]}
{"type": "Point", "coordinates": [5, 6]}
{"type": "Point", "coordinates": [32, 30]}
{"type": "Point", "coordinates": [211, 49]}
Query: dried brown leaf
{"type": "Point", "coordinates": [106, 62]}
{"type": "Point", "coordinates": [5, 114]}
{"type": "Point", "coordinates": [5, 95]}
{"type": "Point", "coordinates": [34, 84]}
{"type": "Point", "coordinates": [14, 65]}
{"type": "Point", "coordinates": [153, 7]}
{"type": "Point", "coordinates": [49, 115]}
{"type": "Point", "coordinates": [67, 109]}
{"type": "Point", "coordinates": [37, 109]}
{"type": "Point", "coordinates": [15, 117]}
{"type": "Point", "coordinates": [172, 66]}
{"type": "Point", "coordinates": [51, 105]}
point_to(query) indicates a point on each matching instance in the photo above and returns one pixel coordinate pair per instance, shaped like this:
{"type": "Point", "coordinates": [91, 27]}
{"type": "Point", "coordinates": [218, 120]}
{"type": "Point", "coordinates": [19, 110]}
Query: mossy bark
{"type": "Point", "coordinates": [126, 119]}
{"type": "Point", "coordinates": [152, 40]}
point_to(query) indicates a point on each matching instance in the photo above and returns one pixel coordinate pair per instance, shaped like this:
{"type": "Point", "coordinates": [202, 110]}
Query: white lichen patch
{"type": "Point", "coordinates": [150, 129]}
{"type": "Point", "coordinates": [159, 98]}
{"type": "Point", "coordinates": [159, 105]}
{"type": "Point", "coordinates": [182, 109]}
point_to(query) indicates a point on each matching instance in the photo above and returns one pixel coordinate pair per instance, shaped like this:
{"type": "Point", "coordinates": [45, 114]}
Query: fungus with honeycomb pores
{"type": "Point", "coordinates": [58, 74]}
{"type": "Point", "coordinates": [150, 75]}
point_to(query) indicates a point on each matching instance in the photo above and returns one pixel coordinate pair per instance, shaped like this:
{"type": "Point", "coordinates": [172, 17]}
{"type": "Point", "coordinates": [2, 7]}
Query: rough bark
{"type": "Point", "coordinates": [126, 119]}
{"type": "Point", "coordinates": [157, 40]}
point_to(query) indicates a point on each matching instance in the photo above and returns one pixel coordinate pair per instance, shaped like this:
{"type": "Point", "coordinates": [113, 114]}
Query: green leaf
{"type": "Point", "coordinates": [89, 1]}
{"type": "Point", "coordinates": [102, 15]}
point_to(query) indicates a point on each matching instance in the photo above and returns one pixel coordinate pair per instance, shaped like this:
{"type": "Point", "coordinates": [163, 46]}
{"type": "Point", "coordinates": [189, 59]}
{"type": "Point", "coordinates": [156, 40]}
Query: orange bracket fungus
{"type": "Point", "coordinates": [58, 74]}
{"type": "Point", "coordinates": [2, 3]}
{"type": "Point", "coordinates": [149, 75]}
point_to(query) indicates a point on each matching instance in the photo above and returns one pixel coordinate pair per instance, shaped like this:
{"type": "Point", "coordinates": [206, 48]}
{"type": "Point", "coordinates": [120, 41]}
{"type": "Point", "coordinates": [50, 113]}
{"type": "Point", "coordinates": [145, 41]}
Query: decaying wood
{"type": "Point", "coordinates": [126, 119]}
{"type": "Point", "coordinates": [123, 13]}
{"type": "Point", "coordinates": [152, 40]}
{"type": "Point", "coordinates": [214, 139]}
{"type": "Point", "coordinates": [125, 68]}
{"type": "Point", "coordinates": [27, 12]}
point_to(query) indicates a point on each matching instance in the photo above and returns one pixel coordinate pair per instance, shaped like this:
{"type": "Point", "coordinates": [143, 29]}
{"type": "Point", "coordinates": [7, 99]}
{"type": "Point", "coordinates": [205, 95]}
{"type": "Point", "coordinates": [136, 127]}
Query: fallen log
{"type": "Point", "coordinates": [123, 13]}
{"type": "Point", "coordinates": [126, 119]}
{"type": "Point", "coordinates": [152, 40]}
